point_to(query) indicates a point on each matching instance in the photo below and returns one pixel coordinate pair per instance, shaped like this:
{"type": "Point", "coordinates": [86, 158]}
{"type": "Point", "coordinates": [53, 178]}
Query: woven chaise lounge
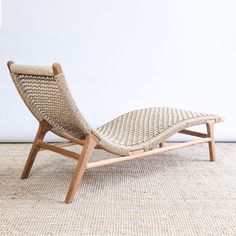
{"type": "Point", "coordinates": [135, 134]}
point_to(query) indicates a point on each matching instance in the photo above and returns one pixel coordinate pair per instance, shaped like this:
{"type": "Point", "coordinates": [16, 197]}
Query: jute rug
{"type": "Point", "coordinates": [176, 193]}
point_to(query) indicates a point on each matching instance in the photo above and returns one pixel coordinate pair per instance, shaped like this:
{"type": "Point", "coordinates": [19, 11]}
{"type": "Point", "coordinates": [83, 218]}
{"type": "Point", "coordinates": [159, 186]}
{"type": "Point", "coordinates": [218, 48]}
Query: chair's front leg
{"type": "Point", "coordinates": [210, 131]}
{"type": "Point", "coordinates": [90, 142]}
{"type": "Point", "coordinates": [44, 127]}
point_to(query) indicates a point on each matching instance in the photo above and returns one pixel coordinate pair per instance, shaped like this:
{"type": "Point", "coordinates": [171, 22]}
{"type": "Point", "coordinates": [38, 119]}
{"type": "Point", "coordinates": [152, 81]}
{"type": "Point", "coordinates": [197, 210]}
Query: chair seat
{"type": "Point", "coordinates": [146, 128]}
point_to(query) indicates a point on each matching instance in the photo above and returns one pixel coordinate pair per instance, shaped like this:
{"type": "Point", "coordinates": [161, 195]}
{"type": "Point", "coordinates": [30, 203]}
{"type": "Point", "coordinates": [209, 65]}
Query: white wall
{"type": "Point", "coordinates": [122, 55]}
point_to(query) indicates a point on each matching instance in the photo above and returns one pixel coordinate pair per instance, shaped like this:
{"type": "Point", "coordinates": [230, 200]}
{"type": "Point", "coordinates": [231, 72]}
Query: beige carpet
{"type": "Point", "coordinates": [176, 193]}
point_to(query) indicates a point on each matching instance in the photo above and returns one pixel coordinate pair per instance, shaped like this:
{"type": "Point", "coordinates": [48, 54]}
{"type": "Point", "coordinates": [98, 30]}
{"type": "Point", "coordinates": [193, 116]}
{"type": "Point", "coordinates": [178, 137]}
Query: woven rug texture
{"type": "Point", "coordinates": [173, 193]}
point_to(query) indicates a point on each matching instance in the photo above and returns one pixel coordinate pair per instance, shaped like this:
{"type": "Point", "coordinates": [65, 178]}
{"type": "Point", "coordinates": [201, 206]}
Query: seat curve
{"type": "Point", "coordinates": [146, 128]}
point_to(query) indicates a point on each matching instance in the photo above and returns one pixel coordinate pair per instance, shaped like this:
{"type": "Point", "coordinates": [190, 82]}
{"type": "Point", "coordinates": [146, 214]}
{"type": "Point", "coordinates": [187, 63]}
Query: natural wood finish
{"type": "Point", "coordinates": [90, 142]}
{"type": "Point", "coordinates": [44, 127]}
{"type": "Point", "coordinates": [136, 152]}
{"type": "Point", "coordinates": [57, 69]}
{"type": "Point", "coordinates": [193, 133]}
{"type": "Point", "coordinates": [147, 153]}
{"type": "Point", "coordinates": [64, 144]}
{"type": "Point", "coordinates": [211, 143]}
{"type": "Point", "coordinates": [161, 144]}
{"type": "Point", "coordinates": [58, 150]}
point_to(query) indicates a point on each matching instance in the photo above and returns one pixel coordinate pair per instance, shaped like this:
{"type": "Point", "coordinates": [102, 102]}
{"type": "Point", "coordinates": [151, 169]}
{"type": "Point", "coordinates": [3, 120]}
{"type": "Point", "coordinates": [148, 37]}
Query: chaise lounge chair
{"type": "Point", "coordinates": [132, 135]}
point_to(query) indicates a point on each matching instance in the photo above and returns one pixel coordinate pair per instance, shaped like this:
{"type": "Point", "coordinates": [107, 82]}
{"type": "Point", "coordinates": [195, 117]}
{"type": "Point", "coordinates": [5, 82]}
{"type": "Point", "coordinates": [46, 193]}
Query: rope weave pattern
{"type": "Point", "coordinates": [48, 98]}
{"type": "Point", "coordinates": [146, 128]}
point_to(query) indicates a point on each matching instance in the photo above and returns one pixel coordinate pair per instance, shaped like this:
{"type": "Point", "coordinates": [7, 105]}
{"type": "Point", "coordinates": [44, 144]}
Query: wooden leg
{"type": "Point", "coordinates": [161, 144]}
{"type": "Point", "coordinates": [44, 127]}
{"type": "Point", "coordinates": [90, 142]}
{"type": "Point", "coordinates": [211, 143]}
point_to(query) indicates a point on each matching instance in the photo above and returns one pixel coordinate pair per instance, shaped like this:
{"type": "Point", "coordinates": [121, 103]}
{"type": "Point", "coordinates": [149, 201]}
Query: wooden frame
{"type": "Point", "coordinates": [91, 142]}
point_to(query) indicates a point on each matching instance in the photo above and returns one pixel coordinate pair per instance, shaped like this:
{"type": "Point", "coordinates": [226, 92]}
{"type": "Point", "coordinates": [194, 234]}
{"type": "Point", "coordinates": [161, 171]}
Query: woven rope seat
{"type": "Point", "coordinates": [134, 134]}
{"type": "Point", "coordinates": [146, 128]}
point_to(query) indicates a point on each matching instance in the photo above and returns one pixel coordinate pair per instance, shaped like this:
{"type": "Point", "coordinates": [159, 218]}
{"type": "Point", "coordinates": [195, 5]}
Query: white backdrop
{"type": "Point", "coordinates": [122, 55]}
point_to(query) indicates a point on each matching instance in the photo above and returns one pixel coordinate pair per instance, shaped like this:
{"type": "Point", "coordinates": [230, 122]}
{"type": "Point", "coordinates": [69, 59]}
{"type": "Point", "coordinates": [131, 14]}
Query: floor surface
{"type": "Point", "coordinates": [175, 193]}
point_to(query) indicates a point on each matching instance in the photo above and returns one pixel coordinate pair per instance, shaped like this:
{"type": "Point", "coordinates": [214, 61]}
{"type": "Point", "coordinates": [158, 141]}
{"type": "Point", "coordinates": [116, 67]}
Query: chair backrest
{"type": "Point", "coordinates": [45, 93]}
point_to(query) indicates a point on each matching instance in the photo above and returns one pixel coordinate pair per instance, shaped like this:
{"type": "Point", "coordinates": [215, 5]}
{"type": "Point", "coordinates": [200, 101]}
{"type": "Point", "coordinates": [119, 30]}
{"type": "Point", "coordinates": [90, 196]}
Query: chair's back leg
{"type": "Point", "coordinates": [210, 131]}
{"type": "Point", "coordinates": [90, 142]}
{"type": "Point", "coordinates": [161, 144]}
{"type": "Point", "coordinates": [44, 127]}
